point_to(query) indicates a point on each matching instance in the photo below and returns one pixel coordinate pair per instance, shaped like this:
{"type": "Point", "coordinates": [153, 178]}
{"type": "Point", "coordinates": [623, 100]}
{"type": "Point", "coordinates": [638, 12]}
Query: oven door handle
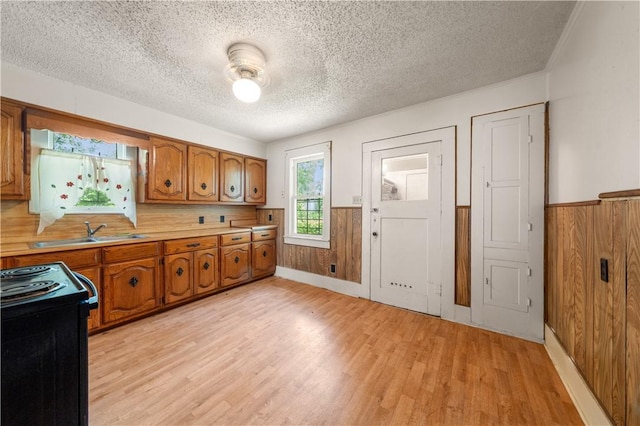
{"type": "Point", "coordinates": [92, 302]}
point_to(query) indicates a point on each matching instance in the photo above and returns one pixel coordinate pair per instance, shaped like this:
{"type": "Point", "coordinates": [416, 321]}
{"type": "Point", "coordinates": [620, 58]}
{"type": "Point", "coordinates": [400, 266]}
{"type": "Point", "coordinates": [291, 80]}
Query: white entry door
{"type": "Point", "coordinates": [507, 228]}
{"type": "Point", "coordinates": [406, 252]}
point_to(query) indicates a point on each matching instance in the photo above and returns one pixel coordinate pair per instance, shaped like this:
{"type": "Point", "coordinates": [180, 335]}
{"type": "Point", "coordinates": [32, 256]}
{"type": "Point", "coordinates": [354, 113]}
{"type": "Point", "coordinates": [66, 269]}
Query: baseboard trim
{"type": "Point", "coordinates": [582, 397]}
{"type": "Point", "coordinates": [340, 286]}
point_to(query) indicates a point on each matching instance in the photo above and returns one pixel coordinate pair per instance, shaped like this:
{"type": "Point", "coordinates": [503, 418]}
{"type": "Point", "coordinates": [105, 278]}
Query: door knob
{"type": "Point", "coordinates": [375, 234]}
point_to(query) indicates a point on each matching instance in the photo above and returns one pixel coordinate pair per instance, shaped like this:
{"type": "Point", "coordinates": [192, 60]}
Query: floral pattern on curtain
{"type": "Point", "coordinates": [68, 181]}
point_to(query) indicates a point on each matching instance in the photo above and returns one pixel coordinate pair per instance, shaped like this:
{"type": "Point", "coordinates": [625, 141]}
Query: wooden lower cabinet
{"type": "Point", "coordinates": [190, 268]}
{"type": "Point", "coordinates": [263, 259]}
{"type": "Point", "coordinates": [205, 272]}
{"type": "Point", "coordinates": [178, 276]}
{"type": "Point", "coordinates": [235, 264]}
{"type": "Point", "coordinates": [130, 289]}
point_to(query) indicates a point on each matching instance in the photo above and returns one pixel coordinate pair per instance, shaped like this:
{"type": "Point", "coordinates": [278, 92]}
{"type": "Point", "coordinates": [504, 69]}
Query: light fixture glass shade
{"type": "Point", "coordinates": [246, 90]}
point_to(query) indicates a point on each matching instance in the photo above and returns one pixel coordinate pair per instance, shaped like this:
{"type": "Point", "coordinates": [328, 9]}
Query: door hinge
{"type": "Point", "coordinates": [528, 271]}
{"type": "Point", "coordinates": [528, 302]}
{"type": "Point", "coordinates": [529, 227]}
{"type": "Point", "coordinates": [530, 138]}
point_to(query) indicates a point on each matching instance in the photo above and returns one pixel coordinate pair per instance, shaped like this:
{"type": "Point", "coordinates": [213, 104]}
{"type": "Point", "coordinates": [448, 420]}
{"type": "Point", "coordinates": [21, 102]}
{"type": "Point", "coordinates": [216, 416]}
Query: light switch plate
{"type": "Point", "coordinates": [357, 199]}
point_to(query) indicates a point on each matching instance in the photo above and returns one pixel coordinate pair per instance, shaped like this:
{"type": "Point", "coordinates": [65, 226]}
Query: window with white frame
{"type": "Point", "coordinates": [308, 192]}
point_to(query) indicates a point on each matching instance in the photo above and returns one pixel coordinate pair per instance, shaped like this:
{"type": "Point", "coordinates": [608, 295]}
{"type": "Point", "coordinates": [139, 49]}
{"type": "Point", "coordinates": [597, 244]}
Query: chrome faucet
{"type": "Point", "coordinates": [91, 232]}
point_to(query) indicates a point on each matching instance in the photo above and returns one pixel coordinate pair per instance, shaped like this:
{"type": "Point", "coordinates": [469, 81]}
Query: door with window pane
{"type": "Point", "coordinates": [405, 227]}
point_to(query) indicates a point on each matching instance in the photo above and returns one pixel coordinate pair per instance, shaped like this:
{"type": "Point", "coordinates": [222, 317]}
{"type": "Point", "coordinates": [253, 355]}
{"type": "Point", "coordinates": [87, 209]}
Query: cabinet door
{"type": "Point", "coordinates": [235, 263]}
{"type": "Point", "coordinates": [203, 174]}
{"type": "Point", "coordinates": [255, 181]}
{"type": "Point", "coordinates": [12, 182]}
{"type": "Point", "coordinates": [94, 315]}
{"type": "Point", "coordinates": [206, 270]}
{"type": "Point", "coordinates": [178, 276]}
{"type": "Point", "coordinates": [167, 170]}
{"type": "Point", "coordinates": [231, 177]}
{"type": "Point", "coordinates": [263, 258]}
{"type": "Point", "coordinates": [130, 289]}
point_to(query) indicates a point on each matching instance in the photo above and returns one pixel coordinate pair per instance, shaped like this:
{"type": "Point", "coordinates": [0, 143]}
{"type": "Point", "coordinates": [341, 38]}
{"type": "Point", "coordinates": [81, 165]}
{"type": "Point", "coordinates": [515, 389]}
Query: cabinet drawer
{"type": "Point", "coordinates": [129, 252]}
{"type": "Point", "coordinates": [238, 238]}
{"type": "Point", "coordinates": [73, 258]}
{"type": "Point", "coordinates": [190, 244]}
{"type": "Point", "coordinates": [267, 234]}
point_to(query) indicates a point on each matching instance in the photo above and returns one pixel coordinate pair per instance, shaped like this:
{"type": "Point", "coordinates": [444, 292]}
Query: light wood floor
{"type": "Point", "coordinates": [280, 352]}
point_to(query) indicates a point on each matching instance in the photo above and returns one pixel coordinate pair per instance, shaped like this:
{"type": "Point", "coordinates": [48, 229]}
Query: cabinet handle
{"type": "Point", "coordinates": [167, 183]}
{"type": "Point", "coordinates": [193, 245]}
{"type": "Point", "coordinates": [206, 266]}
{"type": "Point", "coordinates": [237, 259]}
{"type": "Point", "coordinates": [179, 272]}
{"type": "Point", "coordinates": [255, 190]}
{"type": "Point", "coordinates": [264, 235]}
{"type": "Point", "coordinates": [133, 281]}
{"type": "Point", "coordinates": [236, 238]}
{"type": "Point", "coordinates": [233, 188]}
{"type": "Point", "coordinates": [203, 186]}
{"type": "Point", "coordinates": [264, 253]}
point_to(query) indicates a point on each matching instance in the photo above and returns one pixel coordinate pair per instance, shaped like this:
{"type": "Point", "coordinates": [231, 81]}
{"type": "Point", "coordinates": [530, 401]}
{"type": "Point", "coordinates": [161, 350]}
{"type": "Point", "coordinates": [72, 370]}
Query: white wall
{"type": "Point", "coordinates": [347, 139]}
{"type": "Point", "coordinates": [593, 90]}
{"type": "Point", "coordinates": [35, 88]}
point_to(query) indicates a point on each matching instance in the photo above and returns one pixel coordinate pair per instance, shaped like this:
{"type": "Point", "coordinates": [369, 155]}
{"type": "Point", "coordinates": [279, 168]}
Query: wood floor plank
{"type": "Point", "coordinates": [280, 352]}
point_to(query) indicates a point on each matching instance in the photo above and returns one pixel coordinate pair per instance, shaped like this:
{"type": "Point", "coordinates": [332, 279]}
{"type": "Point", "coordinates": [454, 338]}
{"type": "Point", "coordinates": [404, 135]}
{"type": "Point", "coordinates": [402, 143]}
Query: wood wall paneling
{"type": "Point", "coordinates": [633, 314]}
{"type": "Point", "coordinates": [344, 252]}
{"type": "Point", "coordinates": [618, 278]}
{"type": "Point", "coordinates": [588, 314]}
{"type": "Point", "coordinates": [603, 308]}
{"type": "Point", "coordinates": [463, 256]}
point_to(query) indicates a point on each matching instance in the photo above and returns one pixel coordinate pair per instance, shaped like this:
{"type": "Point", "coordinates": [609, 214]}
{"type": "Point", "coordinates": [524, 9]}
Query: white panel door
{"type": "Point", "coordinates": [406, 251]}
{"type": "Point", "coordinates": [507, 222]}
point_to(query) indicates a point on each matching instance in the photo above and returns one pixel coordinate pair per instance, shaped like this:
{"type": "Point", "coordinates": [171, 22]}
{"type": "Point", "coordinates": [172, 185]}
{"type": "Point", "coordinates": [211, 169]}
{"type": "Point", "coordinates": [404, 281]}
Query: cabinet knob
{"type": "Point", "coordinates": [203, 186]}
{"type": "Point", "coordinates": [167, 183]}
{"type": "Point", "coordinates": [133, 281]}
{"type": "Point", "coordinates": [179, 272]}
{"type": "Point", "coordinates": [264, 253]}
{"type": "Point", "coordinates": [206, 266]}
{"type": "Point", "coordinates": [237, 259]}
{"type": "Point", "coordinates": [233, 188]}
{"type": "Point", "coordinates": [255, 190]}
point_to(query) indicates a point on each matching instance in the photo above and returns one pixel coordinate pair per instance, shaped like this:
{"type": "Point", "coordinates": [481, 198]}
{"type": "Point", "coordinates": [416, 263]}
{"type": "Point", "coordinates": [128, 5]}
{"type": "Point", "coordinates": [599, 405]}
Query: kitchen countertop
{"type": "Point", "coordinates": [18, 249]}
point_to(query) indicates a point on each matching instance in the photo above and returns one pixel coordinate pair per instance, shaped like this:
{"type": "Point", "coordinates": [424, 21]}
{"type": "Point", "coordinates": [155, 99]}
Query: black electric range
{"type": "Point", "coordinates": [45, 345]}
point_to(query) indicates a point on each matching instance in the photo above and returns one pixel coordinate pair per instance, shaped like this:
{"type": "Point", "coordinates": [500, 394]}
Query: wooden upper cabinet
{"type": "Point", "coordinates": [167, 170]}
{"type": "Point", "coordinates": [202, 174]}
{"type": "Point", "coordinates": [255, 190]}
{"type": "Point", "coordinates": [12, 175]}
{"type": "Point", "coordinates": [231, 177]}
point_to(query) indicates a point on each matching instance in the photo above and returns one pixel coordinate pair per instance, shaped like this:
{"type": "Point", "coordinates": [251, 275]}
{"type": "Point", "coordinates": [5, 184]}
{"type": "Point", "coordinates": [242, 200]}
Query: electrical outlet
{"type": "Point", "coordinates": [357, 199]}
{"type": "Point", "coordinates": [281, 194]}
{"type": "Point", "coordinates": [221, 218]}
{"type": "Point", "coordinates": [333, 268]}
{"type": "Point", "coordinates": [604, 270]}
{"type": "Point", "coordinates": [201, 220]}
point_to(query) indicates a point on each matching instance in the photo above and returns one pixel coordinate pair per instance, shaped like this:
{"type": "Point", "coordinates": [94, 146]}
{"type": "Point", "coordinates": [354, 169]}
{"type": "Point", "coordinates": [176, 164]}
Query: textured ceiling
{"type": "Point", "coordinates": [329, 62]}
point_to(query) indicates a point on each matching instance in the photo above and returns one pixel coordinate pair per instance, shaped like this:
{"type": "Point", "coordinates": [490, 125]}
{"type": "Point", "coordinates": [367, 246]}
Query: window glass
{"type": "Point", "coordinates": [63, 142]}
{"type": "Point", "coordinates": [308, 211]}
{"type": "Point", "coordinates": [405, 178]}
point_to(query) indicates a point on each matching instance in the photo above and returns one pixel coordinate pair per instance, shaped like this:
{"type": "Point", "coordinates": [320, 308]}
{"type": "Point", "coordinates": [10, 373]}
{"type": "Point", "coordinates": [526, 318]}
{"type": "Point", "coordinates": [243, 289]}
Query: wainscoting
{"type": "Point", "coordinates": [596, 318]}
{"type": "Point", "coordinates": [463, 256]}
{"type": "Point", "coordinates": [345, 251]}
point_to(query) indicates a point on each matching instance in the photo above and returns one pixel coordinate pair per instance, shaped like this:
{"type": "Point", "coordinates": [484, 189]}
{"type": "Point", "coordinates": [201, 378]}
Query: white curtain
{"type": "Point", "coordinates": [67, 181]}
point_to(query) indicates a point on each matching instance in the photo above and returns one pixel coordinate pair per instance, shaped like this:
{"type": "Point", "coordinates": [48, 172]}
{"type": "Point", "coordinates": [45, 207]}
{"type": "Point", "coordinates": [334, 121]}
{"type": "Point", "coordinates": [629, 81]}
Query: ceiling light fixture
{"type": "Point", "coordinates": [246, 71]}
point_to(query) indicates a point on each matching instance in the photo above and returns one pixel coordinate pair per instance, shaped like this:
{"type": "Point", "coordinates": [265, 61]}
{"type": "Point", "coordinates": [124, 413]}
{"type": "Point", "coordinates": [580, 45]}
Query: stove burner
{"type": "Point", "coordinates": [25, 272]}
{"type": "Point", "coordinates": [13, 291]}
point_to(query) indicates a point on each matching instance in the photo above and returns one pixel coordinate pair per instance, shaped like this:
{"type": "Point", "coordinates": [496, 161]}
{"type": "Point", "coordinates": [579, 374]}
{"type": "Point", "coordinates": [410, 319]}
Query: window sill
{"type": "Point", "coordinates": [307, 242]}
